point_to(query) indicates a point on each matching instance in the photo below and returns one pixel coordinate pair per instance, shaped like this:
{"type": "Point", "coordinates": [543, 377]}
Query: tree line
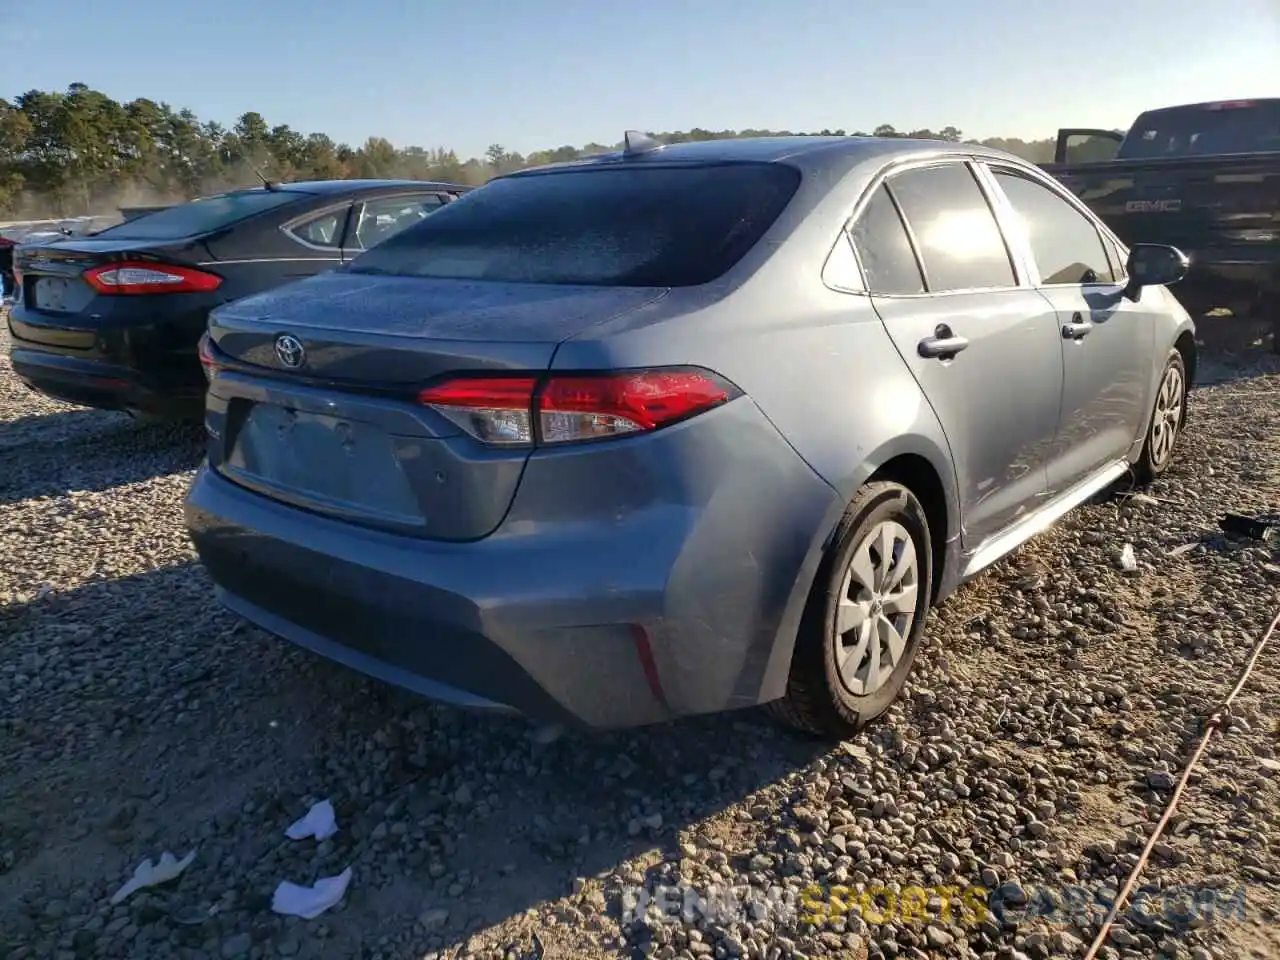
{"type": "Point", "coordinates": [80, 151]}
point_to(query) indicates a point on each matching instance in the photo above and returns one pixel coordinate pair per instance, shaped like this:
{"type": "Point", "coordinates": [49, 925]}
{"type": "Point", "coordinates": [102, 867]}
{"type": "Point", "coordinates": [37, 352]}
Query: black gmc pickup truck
{"type": "Point", "coordinates": [1204, 177]}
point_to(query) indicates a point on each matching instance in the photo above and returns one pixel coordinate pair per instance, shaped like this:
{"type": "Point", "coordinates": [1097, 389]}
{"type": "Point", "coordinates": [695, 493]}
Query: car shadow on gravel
{"type": "Point", "coordinates": [56, 425]}
{"type": "Point", "coordinates": [142, 717]}
{"type": "Point", "coordinates": [1233, 349]}
{"type": "Point", "coordinates": [48, 456]}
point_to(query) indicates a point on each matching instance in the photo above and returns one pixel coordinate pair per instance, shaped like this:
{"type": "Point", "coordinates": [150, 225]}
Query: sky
{"type": "Point", "coordinates": [532, 75]}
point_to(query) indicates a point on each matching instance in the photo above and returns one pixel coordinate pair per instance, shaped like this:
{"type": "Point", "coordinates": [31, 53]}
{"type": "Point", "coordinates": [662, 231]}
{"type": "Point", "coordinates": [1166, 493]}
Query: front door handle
{"type": "Point", "coordinates": [942, 345]}
{"type": "Point", "coordinates": [1077, 329]}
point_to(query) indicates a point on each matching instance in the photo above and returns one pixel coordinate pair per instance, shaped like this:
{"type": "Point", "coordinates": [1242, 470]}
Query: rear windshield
{"type": "Point", "coordinates": [202, 216]}
{"type": "Point", "coordinates": [602, 226]}
{"type": "Point", "coordinates": [1202, 130]}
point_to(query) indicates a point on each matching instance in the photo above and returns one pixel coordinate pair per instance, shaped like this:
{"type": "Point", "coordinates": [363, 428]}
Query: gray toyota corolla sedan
{"type": "Point", "coordinates": [682, 429]}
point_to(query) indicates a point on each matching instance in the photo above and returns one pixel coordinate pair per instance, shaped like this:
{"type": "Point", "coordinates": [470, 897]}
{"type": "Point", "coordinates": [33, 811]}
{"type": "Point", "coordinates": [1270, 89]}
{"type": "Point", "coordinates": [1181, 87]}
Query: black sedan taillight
{"type": "Point", "coordinates": [135, 279]}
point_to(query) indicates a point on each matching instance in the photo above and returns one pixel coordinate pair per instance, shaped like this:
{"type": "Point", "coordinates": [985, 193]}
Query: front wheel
{"type": "Point", "coordinates": [1167, 418]}
{"type": "Point", "coordinates": [865, 618]}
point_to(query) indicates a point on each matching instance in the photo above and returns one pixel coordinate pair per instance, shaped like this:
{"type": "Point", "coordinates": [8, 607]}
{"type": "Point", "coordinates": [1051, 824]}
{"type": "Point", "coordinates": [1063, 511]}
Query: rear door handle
{"type": "Point", "coordinates": [1077, 329]}
{"type": "Point", "coordinates": [942, 345]}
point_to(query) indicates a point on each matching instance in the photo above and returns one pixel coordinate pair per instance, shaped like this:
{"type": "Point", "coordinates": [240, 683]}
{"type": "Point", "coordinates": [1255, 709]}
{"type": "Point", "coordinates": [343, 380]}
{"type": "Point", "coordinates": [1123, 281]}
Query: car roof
{"type": "Point", "coordinates": [342, 186]}
{"type": "Point", "coordinates": [812, 154]}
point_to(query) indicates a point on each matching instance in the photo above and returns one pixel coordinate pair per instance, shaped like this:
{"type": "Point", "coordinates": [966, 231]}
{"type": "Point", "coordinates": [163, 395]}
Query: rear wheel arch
{"type": "Point", "coordinates": [817, 697]}
{"type": "Point", "coordinates": [922, 466]}
{"type": "Point", "coordinates": [918, 475]}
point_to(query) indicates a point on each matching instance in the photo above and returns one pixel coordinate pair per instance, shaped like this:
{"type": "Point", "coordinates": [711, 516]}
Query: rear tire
{"type": "Point", "coordinates": [866, 616]}
{"type": "Point", "coordinates": [1168, 415]}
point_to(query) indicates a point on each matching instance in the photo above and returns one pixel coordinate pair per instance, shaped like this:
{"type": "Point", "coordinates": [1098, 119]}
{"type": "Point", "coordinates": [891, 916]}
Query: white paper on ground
{"type": "Point", "coordinates": [320, 822]}
{"type": "Point", "coordinates": [151, 874]}
{"type": "Point", "coordinates": [309, 902]}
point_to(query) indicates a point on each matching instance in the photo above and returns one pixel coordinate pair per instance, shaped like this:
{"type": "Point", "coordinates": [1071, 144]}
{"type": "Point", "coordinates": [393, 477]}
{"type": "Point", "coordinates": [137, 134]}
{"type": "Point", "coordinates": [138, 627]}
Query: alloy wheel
{"type": "Point", "coordinates": [1167, 417]}
{"type": "Point", "coordinates": [877, 607]}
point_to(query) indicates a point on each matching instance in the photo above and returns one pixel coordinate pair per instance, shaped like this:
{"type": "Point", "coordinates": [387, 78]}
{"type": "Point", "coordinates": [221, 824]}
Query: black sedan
{"type": "Point", "coordinates": [6, 265]}
{"type": "Point", "coordinates": [114, 320]}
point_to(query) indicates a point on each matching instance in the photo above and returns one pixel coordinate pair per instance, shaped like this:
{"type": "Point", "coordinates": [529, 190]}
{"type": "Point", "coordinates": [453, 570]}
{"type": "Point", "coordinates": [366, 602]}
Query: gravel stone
{"type": "Point", "coordinates": [1049, 715]}
{"type": "Point", "coordinates": [237, 946]}
{"type": "Point", "coordinates": [938, 938]}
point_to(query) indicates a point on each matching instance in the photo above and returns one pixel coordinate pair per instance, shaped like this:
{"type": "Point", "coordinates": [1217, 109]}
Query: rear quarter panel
{"type": "Point", "coordinates": [817, 361]}
{"type": "Point", "coordinates": [822, 370]}
{"type": "Point", "coordinates": [818, 364]}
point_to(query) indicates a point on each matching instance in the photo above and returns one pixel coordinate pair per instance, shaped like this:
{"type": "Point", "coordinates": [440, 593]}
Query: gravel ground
{"type": "Point", "coordinates": [1036, 743]}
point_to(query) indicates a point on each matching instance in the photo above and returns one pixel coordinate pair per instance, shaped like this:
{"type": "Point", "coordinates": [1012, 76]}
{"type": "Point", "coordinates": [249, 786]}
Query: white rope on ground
{"type": "Point", "coordinates": [1217, 720]}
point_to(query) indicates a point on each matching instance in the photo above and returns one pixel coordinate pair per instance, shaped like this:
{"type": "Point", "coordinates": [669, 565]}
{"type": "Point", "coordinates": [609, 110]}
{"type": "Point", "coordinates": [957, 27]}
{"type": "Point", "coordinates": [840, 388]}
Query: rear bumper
{"type": "Point", "coordinates": [148, 366]}
{"type": "Point", "coordinates": [92, 383]}
{"type": "Point", "coordinates": [622, 618]}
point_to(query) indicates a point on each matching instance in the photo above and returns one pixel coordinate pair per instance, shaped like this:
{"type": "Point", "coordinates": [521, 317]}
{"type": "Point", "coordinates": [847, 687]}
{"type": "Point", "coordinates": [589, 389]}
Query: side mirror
{"type": "Point", "coordinates": [1154, 265]}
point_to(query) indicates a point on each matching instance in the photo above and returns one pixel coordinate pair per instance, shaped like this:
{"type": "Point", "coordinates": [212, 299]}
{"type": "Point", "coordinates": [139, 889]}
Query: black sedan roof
{"type": "Point", "coordinates": [344, 186]}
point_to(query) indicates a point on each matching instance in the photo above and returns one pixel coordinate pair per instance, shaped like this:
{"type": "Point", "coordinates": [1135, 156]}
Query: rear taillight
{"type": "Point", "coordinates": [583, 408]}
{"type": "Point", "coordinates": [208, 362]}
{"type": "Point", "coordinates": [519, 411]}
{"type": "Point", "coordinates": [132, 279]}
{"type": "Point", "coordinates": [493, 409]}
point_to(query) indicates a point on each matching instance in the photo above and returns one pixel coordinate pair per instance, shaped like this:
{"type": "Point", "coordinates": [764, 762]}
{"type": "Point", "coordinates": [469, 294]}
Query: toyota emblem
{"type": "Point", "coordinates": [289, 351]}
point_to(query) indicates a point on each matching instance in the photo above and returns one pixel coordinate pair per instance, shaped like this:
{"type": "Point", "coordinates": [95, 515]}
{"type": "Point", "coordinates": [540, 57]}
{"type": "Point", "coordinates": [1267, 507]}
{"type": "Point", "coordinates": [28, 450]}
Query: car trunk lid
{"type": "Point", "coordinates": [340, 432]}
{"type": "Point", "coordinates": [375, 331]}
{"type": "Point", "coordinates": [56, 297]}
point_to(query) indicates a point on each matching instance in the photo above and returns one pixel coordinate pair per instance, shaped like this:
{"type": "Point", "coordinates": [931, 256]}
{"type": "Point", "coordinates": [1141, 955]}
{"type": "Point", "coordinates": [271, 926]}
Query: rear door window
{"type": "Point", "coordinates": [954, 228]}
{"type": "Point", "coordinates": [203, 215]}
{"type": "Point", "coordinates": [381, 219]}
{"type": "Point", "coordinates": [636, 225]}
{"type": "Point", "coordinates": [1066, 245]}
{"type": "Point", "coordinates": [322, 230]}
{"type": "Point", "coordinates": [841, 272]}
{"type": "Point", "coordinates": [885, 249]}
